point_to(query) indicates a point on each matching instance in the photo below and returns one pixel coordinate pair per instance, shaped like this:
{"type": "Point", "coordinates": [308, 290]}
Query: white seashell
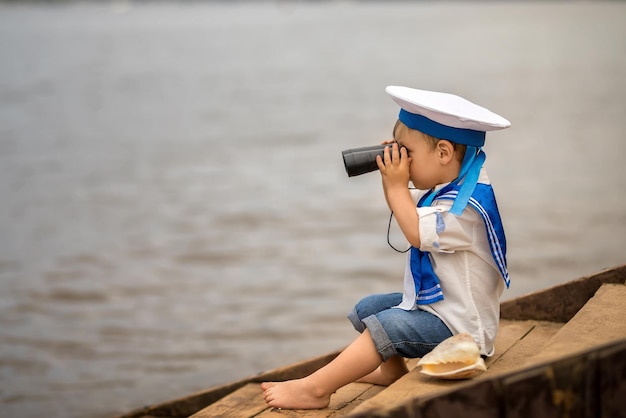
{"type": "Point", "coordinates": [457, 357]}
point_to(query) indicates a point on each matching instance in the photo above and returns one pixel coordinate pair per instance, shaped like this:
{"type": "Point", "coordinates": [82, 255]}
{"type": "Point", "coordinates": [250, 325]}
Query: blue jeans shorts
{"type": "Point", "coordinates": [395, 331]}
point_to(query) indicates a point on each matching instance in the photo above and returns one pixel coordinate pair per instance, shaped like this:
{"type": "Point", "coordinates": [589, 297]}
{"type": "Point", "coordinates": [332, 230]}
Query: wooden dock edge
{"type": "Point", "coordinates": [588, 383]}
{"type": "Point", "coordinates": [188, 405]}
{"type": "Point", "coordinates": [560, 303]}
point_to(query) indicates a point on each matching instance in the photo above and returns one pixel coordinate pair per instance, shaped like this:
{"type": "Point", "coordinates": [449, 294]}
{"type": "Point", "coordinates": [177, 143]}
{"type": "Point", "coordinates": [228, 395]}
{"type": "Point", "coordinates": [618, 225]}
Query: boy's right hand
{"type": "Point", "coordinates": [394, 166]}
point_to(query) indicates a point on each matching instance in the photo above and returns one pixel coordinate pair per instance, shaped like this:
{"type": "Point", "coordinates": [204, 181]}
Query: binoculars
{"type": "Point", "coordinates": [362, 160]}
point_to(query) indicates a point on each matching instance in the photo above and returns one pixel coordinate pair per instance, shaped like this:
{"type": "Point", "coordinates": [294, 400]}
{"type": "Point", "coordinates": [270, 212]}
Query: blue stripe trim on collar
{"type": "Point", "coordinates": [496, 241]}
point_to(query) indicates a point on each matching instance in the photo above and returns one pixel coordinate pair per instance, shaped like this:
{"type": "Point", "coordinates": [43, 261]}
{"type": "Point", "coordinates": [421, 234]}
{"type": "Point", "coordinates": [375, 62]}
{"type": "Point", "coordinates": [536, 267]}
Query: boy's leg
{"type": "Point", "coordinates": [371, 305]}
{"type": "Point", "coordinates": [387, 373]}
{"type": "Point", "coordinates": [313, 392]}
{"type": "Point", "coordinates": [397, 334]}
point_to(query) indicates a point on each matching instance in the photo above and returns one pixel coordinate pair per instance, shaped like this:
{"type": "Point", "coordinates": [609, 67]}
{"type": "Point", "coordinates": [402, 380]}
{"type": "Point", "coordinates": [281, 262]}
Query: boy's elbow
{"type": "Point", "coordinates": [414, 241]}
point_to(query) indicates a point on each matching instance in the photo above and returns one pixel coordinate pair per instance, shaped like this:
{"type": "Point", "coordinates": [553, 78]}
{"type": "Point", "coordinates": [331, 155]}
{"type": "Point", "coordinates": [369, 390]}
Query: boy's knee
{"type": "Point", "coordinates": [373, 304]}
{"type": "Point", "coordinates": [353, 316]}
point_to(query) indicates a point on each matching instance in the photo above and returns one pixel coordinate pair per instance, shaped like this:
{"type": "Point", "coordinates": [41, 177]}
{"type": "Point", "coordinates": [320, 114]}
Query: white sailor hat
{"type": "Point", "coordinates": [445, 116]}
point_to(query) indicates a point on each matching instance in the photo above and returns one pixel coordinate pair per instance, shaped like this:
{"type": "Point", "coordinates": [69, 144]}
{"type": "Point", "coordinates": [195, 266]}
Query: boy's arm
{"type": "Point", "coordinates": [403, 207]}
{"type": "Point", "coordinates": [395, 176]}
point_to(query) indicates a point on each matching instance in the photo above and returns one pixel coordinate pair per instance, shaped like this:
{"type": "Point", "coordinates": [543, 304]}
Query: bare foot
{"type": "Point", "coordinates": [386, 373]}
{"type": "Point", "coordinates": [294, 394]}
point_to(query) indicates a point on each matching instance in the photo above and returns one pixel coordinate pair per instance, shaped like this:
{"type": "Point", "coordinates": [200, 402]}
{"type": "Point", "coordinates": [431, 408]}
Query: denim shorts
{"type": "Point", "coordinates": [395, 331]}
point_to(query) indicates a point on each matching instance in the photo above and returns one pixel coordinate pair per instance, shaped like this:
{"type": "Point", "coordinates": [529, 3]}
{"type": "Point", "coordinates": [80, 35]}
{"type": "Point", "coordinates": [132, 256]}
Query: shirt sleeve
{"type": "Point", "coordinates": [441, 231]}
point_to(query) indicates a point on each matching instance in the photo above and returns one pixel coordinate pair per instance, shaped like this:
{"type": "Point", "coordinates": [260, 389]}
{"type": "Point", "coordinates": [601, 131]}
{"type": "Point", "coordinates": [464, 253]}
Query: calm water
{"type": "Point", "coordinates": [175, 213]}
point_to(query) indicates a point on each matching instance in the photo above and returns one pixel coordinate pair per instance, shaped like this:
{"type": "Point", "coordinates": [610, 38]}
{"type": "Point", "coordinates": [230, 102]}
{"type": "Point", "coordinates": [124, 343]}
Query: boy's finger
{"type": "Point", "coordinates": [379, 163]}
{"type": "Point", "coordinates": [387, 154]}
{"type": "Point", "coordinates": [395, 152]}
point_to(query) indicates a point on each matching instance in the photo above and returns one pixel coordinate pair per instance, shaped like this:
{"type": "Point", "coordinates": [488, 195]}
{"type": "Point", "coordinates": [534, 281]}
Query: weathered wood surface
{"type": "Point", "coordinates": [560, 303]}
{"type": "Point", "coordinates": [415, 384]}
{"type": "Point", "coordinates": [590, 384]}
{"type": "Point", "coordinates": [525, 348]}
{"type": "Point", "coordinates": [247, 401]}
{"type": "Point", "coordinates": [188, 405]}
{"type": "Point", "coordinates": [341, 403]}
{"type": "Point", "coordinates": [600, 321]}
{"type": "Point", "coordinates": [563, 376]}
{"type": "Point", "coordinates": [359, 397]}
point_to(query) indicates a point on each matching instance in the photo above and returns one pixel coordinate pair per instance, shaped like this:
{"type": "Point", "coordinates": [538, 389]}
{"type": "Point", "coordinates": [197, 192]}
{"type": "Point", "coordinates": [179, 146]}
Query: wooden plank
{"type": "Point", "coordinates": [293, 413]}
{"type": "Point", "coordinates": [415, 384]}
{"type": "Point", "coordinates": [600, 321]}
{"type": "Point", "coordinates": [611, 383]}
{"type": "Point", "coordinates": [368, 394]}
{"type": "Point", "coordinates": [586, 384]}
{"type": "Point", "coordinates": [188, 405]}
{"type": "Point", "coordinates": [560, 303]}
{"type": "Point", "coordinates": [243, 403]}
{"type": "Point", "coordinates": [525, 348]}
{"type": "Point", "coordinates": [509, 333]}
{"type": "Point", "coordinates": [341, 401]}
{"type": "Point", "coordinates": [345, 395]}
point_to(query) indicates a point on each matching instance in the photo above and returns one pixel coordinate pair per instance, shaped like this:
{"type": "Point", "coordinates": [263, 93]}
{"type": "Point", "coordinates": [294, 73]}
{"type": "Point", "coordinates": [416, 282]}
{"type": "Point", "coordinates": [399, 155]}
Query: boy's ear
{"type": "Point", "coordinates": [445, 151]}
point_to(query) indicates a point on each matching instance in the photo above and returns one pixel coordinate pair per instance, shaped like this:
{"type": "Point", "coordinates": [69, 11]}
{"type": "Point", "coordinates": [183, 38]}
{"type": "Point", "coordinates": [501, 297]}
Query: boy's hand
{"type": "Point", "coordinates": [394, 166]}
{"type": "Point", "coordinates": [394, 169]}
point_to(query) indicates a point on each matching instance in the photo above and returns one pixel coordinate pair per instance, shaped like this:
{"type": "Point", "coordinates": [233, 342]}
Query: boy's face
{"type": "Point", "coordinates": [425, 169]}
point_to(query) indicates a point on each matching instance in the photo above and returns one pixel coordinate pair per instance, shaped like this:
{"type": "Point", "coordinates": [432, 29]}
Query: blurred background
{"type": "Point", "coordinates": [175, 212]}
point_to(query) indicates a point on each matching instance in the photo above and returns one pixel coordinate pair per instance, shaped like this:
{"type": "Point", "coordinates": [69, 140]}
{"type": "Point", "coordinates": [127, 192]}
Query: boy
{"type": "Point", "coordinates": [456, 267]}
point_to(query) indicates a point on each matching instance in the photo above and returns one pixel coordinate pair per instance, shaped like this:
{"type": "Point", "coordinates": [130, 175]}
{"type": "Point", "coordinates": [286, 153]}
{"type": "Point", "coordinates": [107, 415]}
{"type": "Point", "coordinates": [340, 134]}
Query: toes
{"type": "Point", "coordinates": [268, 394]}
{"type": "Point", "coordinates": [266, 385]}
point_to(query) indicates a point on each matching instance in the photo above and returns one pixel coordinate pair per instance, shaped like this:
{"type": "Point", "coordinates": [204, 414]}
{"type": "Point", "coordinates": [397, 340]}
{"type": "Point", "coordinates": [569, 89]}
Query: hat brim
{"type": "Point", "coordinates": [447, 109]}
